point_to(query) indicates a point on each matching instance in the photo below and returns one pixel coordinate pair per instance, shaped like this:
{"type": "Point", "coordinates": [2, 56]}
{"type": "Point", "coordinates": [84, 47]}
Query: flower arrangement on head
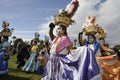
{"type": "Point", "coordinates": [89, 26]}
{"type": "Point", "coordinates": [64, 16]}
{"type": "Point", "coordinates": [6, 31]}
{"type": "Point", "coordinates": [100, 32]}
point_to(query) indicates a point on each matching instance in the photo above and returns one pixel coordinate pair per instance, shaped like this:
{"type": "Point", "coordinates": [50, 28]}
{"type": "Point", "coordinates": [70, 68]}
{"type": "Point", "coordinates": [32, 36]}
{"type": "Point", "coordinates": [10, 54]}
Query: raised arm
{"type": "Point", "coordinates": [80, 39]}
{"type": "Point", "coordinates": [51, 26]}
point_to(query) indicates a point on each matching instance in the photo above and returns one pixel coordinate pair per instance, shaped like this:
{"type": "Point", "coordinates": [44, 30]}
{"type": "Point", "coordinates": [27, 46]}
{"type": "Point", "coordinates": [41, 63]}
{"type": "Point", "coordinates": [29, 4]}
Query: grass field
{"type": "Point", "coordinates": [17, 74]}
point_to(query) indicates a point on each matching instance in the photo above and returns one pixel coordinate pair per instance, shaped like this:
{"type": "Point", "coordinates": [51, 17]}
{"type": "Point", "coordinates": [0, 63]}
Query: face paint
{"type": "Point", "coordinates": [59, 30]}
{"type": "Point", "coordinates": [90, 39]}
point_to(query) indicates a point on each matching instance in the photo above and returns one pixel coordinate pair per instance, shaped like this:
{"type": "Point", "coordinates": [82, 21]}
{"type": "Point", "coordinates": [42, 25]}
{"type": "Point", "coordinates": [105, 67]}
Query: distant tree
{"type": "Point", "coordinates": [14, 37]}
{"type": "Point", "coordinates": [117, 47]}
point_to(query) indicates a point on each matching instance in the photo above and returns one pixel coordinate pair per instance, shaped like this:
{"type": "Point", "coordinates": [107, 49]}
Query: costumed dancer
{"type": "Point", "coordinates": [5, 49]}
{"type": "Point", "coordinates": [89, 29]}
{"type": "Point", "coordinates": [101, 35]}
{"type": "Point", "coordinates": [23, 51]}
{"type": "Point", "coordinates": [66, 64]}
{"type": "Point", "coordinates": [110, 65]}
{"type": "Point", "coordinates": [31, 65]}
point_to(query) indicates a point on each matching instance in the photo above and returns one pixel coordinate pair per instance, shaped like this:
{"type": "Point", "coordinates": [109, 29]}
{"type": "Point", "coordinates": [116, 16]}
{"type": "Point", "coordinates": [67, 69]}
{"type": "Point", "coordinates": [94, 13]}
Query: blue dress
{"type": "Point", "coordinates": [31, 65]}
{"type": "Point", "coordinates": [3, 61]}
{"type": "Point", "coordinates": [3, 64]}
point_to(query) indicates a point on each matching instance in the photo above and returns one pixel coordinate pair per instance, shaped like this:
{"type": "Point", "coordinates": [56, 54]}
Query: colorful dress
{"type": "Point", "coordinates": [31, 65]}
{"type": "Point", "coordinates": [78, 65]}
{"type": "Point", "coordinates": [4, 59]}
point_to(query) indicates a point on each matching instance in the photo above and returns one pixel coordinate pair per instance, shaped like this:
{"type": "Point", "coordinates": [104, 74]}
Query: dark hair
{"type": "Point", "coordinates": [116, 49]}
{"type": "Point", "coordinates": [6, 38]}
{"type": "Point", "coordinates": [42, 52]}
{"type": "Point", "coordinates": [35, 41]}
{"type": "Point", "coordinates": [106, 45]}
{"type": "Point", "coordinates": [28, 46]}
{"type": "Point", "coordinates": [64, 28]}
{"type": "Point", "coordinates": [51, 25]}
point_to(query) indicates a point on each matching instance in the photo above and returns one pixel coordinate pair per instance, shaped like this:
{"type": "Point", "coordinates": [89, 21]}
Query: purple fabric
{"type": "Point", "coordinates": [89, 67]}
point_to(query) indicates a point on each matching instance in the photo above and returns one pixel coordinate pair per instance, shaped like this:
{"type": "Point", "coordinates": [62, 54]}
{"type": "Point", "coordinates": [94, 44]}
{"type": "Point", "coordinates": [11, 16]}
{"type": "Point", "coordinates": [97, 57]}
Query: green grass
{"type": "Point", "coordinates": [18, 74]}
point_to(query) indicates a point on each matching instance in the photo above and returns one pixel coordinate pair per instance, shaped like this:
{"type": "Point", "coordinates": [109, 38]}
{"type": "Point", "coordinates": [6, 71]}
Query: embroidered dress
{"type": "Point", "coordinates": [79, 65]}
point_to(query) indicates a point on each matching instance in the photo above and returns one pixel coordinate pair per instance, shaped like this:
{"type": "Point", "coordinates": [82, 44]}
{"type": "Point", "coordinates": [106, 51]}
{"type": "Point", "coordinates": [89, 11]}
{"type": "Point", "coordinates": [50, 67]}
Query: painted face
{"type": "Point", "coordinates": [91, 39]}
{"type": "Point", "coordinates": [59, 30]}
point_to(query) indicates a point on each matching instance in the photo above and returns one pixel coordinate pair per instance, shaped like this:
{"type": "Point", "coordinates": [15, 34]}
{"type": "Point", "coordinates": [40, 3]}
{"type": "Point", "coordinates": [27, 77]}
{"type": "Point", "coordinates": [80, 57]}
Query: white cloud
{"type": "Point", "coordinates": [108, 16]}
{"type": "Point", "coordinates": [21, 34]}
{"type": "Point", "coordinates": [22, 31]}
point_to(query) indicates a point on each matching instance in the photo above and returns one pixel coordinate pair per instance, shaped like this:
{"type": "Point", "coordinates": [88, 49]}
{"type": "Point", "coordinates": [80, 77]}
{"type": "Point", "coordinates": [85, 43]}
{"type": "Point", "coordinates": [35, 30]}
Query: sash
{"type": "Point", "coordinates": [64, 43]}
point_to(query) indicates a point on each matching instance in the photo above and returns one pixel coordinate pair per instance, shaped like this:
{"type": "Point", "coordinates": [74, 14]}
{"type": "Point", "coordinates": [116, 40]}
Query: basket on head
{"type": "Point", "coordinates": [101, 36]}
{"type": "Point", "coordinates": [6, 33]}
{"type": "Point", "coordinates": [90, 30]}
{"type": "Point", "coordinates": [62, 20]}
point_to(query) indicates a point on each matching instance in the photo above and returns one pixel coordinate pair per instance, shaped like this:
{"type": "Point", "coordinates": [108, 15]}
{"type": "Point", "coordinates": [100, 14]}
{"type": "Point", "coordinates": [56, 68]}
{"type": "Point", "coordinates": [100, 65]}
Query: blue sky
{"type": "Point", "coordinates": [25, 16]}
{"type": "Point", "coordinates": [30, 16]}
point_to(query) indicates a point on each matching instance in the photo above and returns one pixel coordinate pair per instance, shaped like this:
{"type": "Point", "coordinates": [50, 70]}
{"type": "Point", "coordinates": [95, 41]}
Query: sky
{"type": "Point", "coordinates": [30, 16]}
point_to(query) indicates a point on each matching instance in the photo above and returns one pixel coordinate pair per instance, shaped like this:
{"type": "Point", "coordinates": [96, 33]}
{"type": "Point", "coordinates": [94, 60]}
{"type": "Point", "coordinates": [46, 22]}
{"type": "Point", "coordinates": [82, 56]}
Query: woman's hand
{"type": "Point", "coordinates": [51, 25]}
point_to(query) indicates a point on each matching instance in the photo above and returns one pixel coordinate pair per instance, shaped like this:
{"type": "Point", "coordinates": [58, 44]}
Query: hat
{"type": "Point", "coordinates": [6, 31]}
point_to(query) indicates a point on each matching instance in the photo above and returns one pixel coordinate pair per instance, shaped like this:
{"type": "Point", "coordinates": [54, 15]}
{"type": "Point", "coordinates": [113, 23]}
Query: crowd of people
{"type": "Point", "coordinates": [58, 60]}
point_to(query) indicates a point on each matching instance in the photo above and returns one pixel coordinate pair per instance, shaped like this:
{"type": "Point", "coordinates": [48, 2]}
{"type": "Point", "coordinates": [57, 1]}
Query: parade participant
{"type": "Point", "coordinates": [110, 65]}
{"type": "Point", "coordinates": [42, 63]}
{"type": "Point", "coordinates": [5, 48]}
{"type": "Point", "coordinates": [24, 54]}
{"type": "Point", "coordinates": [94, 45]}
{"type": "Point", "coordinates": [106, 51]}
{"type": "Point", "coordinates": [20, 58]}
{"type": "Point", "coordinates": [31, 65]}
{"type": "Point", "coordinates": [90, 43]}
{"type": "Point", "coordinates": [66, 63]}
{"type": "Point", "coordinates": [63, 63]}
{"type": "Point", "coordinates": [4, 56]}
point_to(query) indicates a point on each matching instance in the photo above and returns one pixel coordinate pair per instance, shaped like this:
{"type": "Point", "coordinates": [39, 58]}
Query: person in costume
{"type": "Point", "coordinates": [31, 65]}
{"type": "Point", "coordinates": [4, 48]}
{"type": "Point", "coordinates": [4, 56]}
{"type": "Point", "coordinates": [20, 55]}
{"type": "Point", "coordinates": [66, 63]}
{"type": "Point", "coordinates": [23, 54]}
{"type": "Point", "coordinates": [42, 60]}
{"type": "Point", "coordinates": [93, 44]}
